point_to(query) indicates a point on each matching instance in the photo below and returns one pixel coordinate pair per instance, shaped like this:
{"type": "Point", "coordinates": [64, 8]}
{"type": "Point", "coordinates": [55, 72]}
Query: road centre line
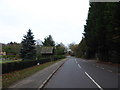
{"type": "Point", "coordinates": [76, 61]}
{"type": "Point", "coordinates": [83, 60]}
{"type": "Point", "coordinates": [79, 66]}
{"type": "Point", "coordinates": [102, 68]}
{"type": "Point", "coordinates": [97, 66]}
{"type": "Point", "coordinates": [94, 81]}
{"type": "Point", "coordinates": [110, 70]}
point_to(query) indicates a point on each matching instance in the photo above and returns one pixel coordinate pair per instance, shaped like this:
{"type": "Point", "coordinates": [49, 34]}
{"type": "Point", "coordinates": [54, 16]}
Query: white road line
{"type": "Point", "coordinates": [102, 68]}
{"type": "Point", "coordinates": [79, 66]}
{"type": "Point", "coordinates": [83, 60]}
{"type": "Point", "coordinates": [94, 81]}
{"type": "Point", "coordinates": [76, 61]}
{"type": "Point", "coordinates": [110, 70]}
{"type": "Point", "coordinates": [97, 66]}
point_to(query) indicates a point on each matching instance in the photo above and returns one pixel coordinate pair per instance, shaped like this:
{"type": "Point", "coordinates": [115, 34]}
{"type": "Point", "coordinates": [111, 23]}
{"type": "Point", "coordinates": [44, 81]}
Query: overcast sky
{"type": "Point", "coordinates": [63, 19]}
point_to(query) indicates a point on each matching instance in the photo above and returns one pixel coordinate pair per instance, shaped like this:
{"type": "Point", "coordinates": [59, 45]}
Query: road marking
{"type": "Point", "coordinates": [79, 66]}
{"type": "Point", "coordinates": [94, 81]}
{"type": "Point", "coordinates": [110, 70]}
{"type": "Point", "coordinates": [76, 61]}
{"type": "Point", "coordinates": [102, 68]}
{"type": "Point", "coordinates": [97, 66]}
{"type": "Point", "coordinates": [83, 60]}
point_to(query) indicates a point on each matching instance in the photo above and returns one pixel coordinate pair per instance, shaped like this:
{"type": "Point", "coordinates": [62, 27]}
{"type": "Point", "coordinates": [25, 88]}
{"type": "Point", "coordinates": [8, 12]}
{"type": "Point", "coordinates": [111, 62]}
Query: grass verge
{"type": "Point", "coordinates": [8, 61]}
{"type": "Point", "coordinates": [10, 78]}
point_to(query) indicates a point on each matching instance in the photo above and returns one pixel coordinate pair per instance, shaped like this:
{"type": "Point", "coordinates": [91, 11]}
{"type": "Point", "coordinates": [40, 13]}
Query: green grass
{"type": "Point", "coordinates": [7, 61]}
{"type": "Point", "coordinates": [10, 78]}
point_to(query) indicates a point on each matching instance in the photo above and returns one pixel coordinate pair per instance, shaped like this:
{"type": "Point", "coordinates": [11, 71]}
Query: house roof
{"type": "Point", "coordinates": [47, 50]}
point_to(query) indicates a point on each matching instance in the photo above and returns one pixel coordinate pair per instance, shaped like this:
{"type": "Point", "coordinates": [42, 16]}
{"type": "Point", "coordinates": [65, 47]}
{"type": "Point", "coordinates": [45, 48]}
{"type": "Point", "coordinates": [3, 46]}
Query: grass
{"type": "Point", "coordinates": [7, 61]}
{"type": "Point", "coordinates": [10, 78]}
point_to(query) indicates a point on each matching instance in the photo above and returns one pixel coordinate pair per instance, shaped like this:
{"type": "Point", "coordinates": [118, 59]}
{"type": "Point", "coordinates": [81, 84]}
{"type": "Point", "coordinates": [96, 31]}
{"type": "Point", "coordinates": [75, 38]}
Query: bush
{"type": "Point", "coordinates": [43, 60]}
{"type": "Point", "coordinates": [56, 57]}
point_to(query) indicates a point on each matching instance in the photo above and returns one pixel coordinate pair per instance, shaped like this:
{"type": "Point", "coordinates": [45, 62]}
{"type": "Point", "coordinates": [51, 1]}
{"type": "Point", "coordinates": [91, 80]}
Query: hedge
{"type": "Point", "coordinates": [9, 56]}
{"type": "Point", "coordinates": [14, 66]}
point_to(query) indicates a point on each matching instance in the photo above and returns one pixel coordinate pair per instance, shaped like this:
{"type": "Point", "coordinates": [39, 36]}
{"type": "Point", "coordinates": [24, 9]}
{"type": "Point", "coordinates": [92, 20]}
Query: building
{"type": "Point", "coordinates": [2, 53]}
{"type": "Point", "coordinates": [47, 52]}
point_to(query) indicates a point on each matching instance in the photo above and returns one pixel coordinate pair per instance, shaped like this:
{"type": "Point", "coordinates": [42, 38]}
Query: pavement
{"type": "Point", "coordinates": [38, 79]}
{"type": "Point", "coordinates": [80, 73]}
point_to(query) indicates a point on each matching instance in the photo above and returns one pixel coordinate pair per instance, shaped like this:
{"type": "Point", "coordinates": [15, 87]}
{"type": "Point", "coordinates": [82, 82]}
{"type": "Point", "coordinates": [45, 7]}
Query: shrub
{"type": "Point", "coordinates": [56, 57]}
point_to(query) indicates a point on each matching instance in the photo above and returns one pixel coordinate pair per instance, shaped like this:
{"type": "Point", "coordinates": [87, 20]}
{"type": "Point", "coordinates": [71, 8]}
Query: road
{"type": "Point", "coordinates": [79, 73]}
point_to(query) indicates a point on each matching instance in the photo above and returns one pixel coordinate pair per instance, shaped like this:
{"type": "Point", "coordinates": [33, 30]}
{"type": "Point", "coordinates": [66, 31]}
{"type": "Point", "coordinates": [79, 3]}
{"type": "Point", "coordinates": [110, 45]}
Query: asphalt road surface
{"type": "Point", "coordinates": [79, 73]}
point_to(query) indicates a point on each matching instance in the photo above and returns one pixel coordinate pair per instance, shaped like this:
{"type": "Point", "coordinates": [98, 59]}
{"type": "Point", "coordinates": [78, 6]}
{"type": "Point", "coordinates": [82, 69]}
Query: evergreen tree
{"type": "Point", "coordinates": [81, 49]}
{"type": "Point", "coordinates": [48, 41]}
{"type": "Point", "coordinates": [28, 50]}
{"type": "Point", "coordinates": [102, 32]}
{"type": "Point", "coordinates": [60, 49]}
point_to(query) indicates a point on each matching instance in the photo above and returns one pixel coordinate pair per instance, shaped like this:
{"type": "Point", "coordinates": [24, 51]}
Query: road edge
{"type": "Point", "coordinates": [49, 77]}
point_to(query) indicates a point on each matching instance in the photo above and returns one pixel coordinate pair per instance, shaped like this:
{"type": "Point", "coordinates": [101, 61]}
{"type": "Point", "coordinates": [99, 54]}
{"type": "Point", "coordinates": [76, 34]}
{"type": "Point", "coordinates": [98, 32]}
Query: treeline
{"type": "Point", "coordinates": [29, 49]}
{"type": "Point", "coordinates": [101, 38]}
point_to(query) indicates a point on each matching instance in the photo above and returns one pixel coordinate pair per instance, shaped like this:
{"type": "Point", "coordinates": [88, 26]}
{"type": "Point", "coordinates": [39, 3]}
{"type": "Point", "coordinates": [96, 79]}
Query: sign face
{"type": "Point", "coordinates": [104, 0]}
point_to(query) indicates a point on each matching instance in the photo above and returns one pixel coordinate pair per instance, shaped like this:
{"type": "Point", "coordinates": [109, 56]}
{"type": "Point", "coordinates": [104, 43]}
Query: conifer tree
{"type": "Point", "coordinates": [102, 32]}
{"type": "Point", "coordinates": [48, 41]}
{"type": "Point", "coordinates": [28, 50]}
